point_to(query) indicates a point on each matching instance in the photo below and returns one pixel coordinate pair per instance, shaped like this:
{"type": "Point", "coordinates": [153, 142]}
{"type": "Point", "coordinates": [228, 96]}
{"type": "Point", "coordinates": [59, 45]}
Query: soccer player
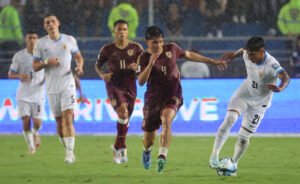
{"type": "Point", "coordinates": [54, 53]}
{"type": "Point", "coordinates": [252, 98]}
{"type": "Point", "coordinates": [163, 96]}
{"type": "Point", "coordinates": [30, 93]}
{"type": "Point", "coordinates": [120, 79]}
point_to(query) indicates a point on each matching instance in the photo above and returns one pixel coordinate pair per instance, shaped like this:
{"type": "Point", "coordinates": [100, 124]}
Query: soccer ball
{"type": "Point", "coordinates": [227, 167]}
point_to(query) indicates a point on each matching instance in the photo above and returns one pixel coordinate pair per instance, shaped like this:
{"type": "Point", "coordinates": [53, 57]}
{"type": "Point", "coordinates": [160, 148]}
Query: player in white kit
{"type": "Point", "coordinates": [251, 99]}
{"type": "Point", "coordinates": [54, 53]}
{"type": "Point", "coordinates": [30, 93]}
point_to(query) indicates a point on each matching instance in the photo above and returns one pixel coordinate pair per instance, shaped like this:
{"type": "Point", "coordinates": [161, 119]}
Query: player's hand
{"type": "Point", "coordinates": [53, 62]}
{"type": "Point", "coordinates": [24, 77]}
{"type": "Point", "coordinates": [273, 87]}
{"type": "Point", "coordinates": [153, 58]}
{"type": "Point", "coordinates": [79, 71]}
{"type": "Point", "coordinates": [133, 67]}
{"type": "Point", "coordinates": [228, 56]}
{"type": "Point", "coordinates": [221, 64]}
{"type": "Point", "coordinates": [106, 77]}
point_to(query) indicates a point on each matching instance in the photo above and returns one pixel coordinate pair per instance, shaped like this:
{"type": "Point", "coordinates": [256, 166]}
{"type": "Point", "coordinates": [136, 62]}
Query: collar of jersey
{"type": "Point", "coordinates": [263, 61]}
{"type": "Point", "coordinates": [57, 39]}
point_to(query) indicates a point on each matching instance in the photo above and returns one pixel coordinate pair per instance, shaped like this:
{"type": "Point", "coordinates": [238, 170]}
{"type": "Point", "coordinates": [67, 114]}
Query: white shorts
{"type": "Point", "coordinates": [62, 101]}
{"type": "Point", "coordinates": [34, 110]}
{"type": "Point", "coordinates": [251, 116]}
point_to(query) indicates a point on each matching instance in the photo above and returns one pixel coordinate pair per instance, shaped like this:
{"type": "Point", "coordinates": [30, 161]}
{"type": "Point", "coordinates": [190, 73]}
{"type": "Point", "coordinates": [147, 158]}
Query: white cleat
{"type": "Point", "coordinates": [123, 154]}
{"type": "Point", "coordinates": [116, 155]}
{"type": "Point", "coordinates": [70, 157]}
{"type": "Point", "coordinates": [31, 150]}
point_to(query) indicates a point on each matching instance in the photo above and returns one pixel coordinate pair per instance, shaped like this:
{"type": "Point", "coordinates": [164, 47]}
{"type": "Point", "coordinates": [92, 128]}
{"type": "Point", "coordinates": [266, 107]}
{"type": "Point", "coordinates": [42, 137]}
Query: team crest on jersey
{"type": "Point", "coordinates": [130, 52]}
{"type": "Point", "coordinates": [169, 54]}
{"type": "Point", "coordinates": [65, 46]}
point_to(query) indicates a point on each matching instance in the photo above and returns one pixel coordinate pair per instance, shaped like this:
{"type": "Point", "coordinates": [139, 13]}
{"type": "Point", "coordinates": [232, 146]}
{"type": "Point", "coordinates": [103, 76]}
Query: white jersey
{"type": "Point", "coordinates": [59, 78]}
{"type": "Point", "coordinates": [254, 89]}
{"type": "Point", "coordinates": [33, 90]}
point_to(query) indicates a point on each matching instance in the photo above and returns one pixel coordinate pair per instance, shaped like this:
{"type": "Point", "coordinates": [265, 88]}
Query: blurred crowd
{"type": "Point", "coordinates": [178, 18]}
{"type": "Point", "coordinates": [90, 18]}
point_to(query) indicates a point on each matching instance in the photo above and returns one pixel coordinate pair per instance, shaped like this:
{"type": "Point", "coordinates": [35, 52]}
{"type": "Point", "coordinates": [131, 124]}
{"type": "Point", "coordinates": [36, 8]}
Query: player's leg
{"type": "Point", "coordinates": [38, 110]}
{"type": "Point", "coordinates": [148, 141]}
{"type": "Point", "coordinates": [251, 121]}
{"type": "Point", "coordinates": [68, 132]}
{"type": "Point", "coordinates": [68, 102]}
{"type": "Point", "coordinates": [236, 107]}
{"type": "Point", "coordinates": [222, 136]}
{"type": "Point", "coordinates": [122, 129]}
{"type": "Point", "coordinates": [35, 131]}
{"type": "Point", "coordinates": [28, 136]}
{"type": "Point", "coordinates": [24, 112]}
{"type": "Point", "coordinates": [54, 103]}
{"type": "Point", "coordinates": [168, 114]}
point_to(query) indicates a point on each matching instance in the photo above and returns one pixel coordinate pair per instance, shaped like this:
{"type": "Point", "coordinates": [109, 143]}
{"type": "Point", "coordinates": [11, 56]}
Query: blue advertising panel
{"type": "Point", "coordinates": [205, 103]}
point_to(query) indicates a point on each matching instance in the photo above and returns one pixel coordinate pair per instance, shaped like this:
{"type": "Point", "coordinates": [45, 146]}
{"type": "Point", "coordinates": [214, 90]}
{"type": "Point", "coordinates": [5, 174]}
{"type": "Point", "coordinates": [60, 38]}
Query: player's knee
{"type": "Point", "coordinates": [166, 122]}
{"type": "Point", "coordinates": [122, 121]}
{"type": "Point", "coordinates": [122, 112]}
{"type": "Point", "coordinates": [231, 117]}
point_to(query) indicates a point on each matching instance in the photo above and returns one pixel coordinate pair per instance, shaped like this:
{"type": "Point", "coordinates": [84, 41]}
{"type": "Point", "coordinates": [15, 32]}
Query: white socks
{"type": "Point", "coordinates": [163, 151]}
{"type": "Point", "coordinates": [69, 143]}
{"type": "Point", "coordinates": [241, 145]}
{"type": "Point", "coordinates": [28, 136]}
{"type": "Point", "coordinates": [223, 133]}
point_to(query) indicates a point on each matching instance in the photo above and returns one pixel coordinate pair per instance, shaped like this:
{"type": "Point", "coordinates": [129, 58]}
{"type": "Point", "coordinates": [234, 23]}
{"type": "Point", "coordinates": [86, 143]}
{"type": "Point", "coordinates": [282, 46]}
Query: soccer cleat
{"type": "Point", "coordinates": [146, 159]}
{"type": "Point", "coordinates": [116, 155]}
{"type": "Point", "coordinates": [31, 150]}
{"type": "Point", "coordinates": [214, 163]}
{"type": "Point", "coordinates": [160, 165]}
{"type": "Point", "coordinates": [123, 155]}
{"type": "Point", "coordinates": [36, 140]}
{"type": "Point", "coordinates": [70, 157]}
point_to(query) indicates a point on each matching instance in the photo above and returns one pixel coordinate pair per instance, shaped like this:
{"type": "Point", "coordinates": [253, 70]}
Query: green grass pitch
{"type": "Point", "coordinates": [267, 161]}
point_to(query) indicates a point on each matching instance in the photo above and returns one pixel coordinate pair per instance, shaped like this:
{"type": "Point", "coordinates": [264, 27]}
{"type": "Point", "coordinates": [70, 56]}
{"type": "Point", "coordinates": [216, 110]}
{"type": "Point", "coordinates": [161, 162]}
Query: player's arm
{"type": "Point", "coordinates": [193, 56]}
{"type": "Point", "coordinates": [284, 82]}
{"type": "Point", "coordinates": [39, 64]}
{"type": "Point", "coordinates": [99, 67]}
{"type": "Point", "coordinates": [144, 75]}
{"type": "Point", "coordinates": [229, 56]}
{"type": "Point", "coordinates": [15, 75]}
{"type": "Point", "coordinates": [79, 63]}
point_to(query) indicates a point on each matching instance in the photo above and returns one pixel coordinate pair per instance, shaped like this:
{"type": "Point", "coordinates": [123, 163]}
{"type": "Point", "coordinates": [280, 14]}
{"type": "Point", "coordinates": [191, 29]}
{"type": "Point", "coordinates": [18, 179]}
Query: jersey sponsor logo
{"type": "Point", "coordinates": [275, 66]}
{"type": "Point", "coordinates": [130, 52]}
{"type": "Point", "coordinates": [169, 54]}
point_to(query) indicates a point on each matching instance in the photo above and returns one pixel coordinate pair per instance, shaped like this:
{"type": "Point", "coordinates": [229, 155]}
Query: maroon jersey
{"type": "Point", "coordinates": [117, 61]}
{"type": "Point", "coordinates": [164, 79]}
{"type": "Point", "coordinates": [123, 82]}
{"type": "Point", "coordinates": [163, 85]}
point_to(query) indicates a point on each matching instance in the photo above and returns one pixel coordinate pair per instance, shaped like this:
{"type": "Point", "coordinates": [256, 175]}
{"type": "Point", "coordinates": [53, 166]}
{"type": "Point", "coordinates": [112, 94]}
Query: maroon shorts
{"type": "Point", "coordinates": [153, 109]}
{"type": "Point", "coordinates": [117, 97]}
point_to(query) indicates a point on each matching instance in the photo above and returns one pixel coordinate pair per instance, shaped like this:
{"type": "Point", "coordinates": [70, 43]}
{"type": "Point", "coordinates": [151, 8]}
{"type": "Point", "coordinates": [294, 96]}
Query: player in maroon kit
{"type": "Point", "coordinates": [120, 79]}
{"type": "Point", "coordinates": [163, 96]}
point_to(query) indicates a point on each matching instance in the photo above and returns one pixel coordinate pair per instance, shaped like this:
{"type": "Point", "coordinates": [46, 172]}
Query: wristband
{"type": "Point", "coordinates": [46, 61]}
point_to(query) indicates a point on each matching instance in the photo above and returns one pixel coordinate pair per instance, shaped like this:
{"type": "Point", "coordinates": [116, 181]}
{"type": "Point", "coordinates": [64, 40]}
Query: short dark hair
{"type": "Point", "coordinates": [255, 43]}
{"type": "Point", "coordinates": [49, 15]}
{"type": "Point", "coordinates": [120, 21]}
{"type": "Point", "coordinates": [153, 32]}
{"type": "Point", "coordinates": [31, 31]}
